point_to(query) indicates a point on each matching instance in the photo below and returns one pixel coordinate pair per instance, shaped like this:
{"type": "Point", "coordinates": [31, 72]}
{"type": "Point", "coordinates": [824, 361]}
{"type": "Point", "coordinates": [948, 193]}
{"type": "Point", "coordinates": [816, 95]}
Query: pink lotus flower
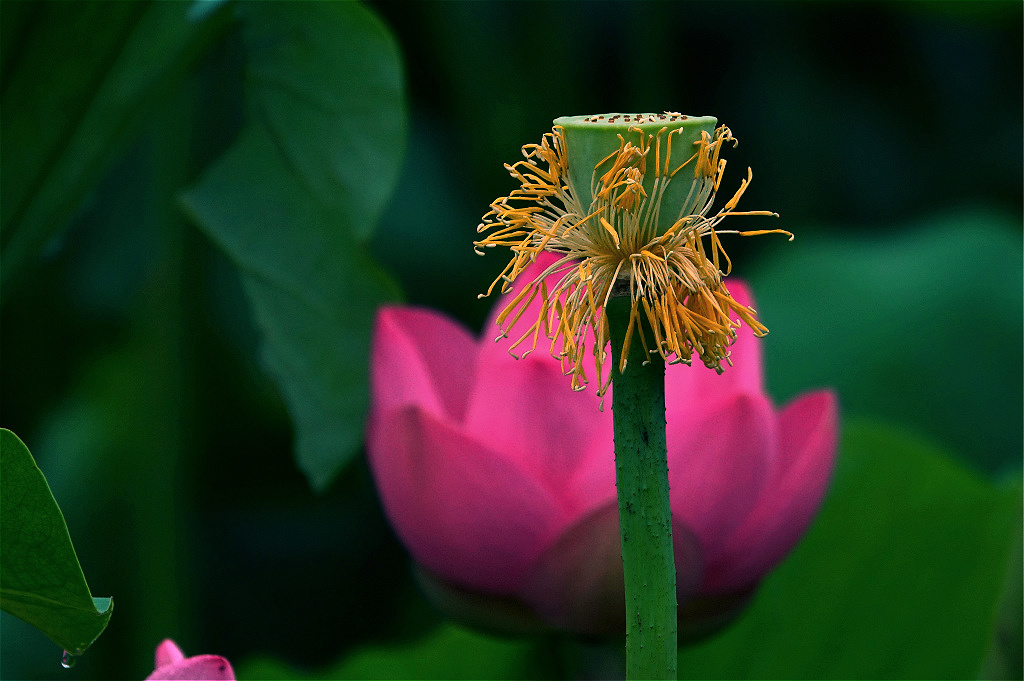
{"type": "Point", "coordinates": [171, 663]}
{"type": "Point", "coordinates": [500, 481]}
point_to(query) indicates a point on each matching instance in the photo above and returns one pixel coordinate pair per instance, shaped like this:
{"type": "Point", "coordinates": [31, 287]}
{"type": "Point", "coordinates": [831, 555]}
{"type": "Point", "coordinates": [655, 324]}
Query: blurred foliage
{"type": "Point", "coordinates": [294, 197]}
{"type": "Point", "coordinates": [62, 130]}
{"type": "Point", "coordinates": [161, 373]}
{"type": "Point", "coordinates": [41, 581]}
{"type": "Point", "coordinates": [919, 326]}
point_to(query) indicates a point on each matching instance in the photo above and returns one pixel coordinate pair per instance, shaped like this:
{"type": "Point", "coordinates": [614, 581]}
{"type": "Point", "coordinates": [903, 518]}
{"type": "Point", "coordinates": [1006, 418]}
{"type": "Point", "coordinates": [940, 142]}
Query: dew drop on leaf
{"type": "Point", "coordinates": [67, 660]}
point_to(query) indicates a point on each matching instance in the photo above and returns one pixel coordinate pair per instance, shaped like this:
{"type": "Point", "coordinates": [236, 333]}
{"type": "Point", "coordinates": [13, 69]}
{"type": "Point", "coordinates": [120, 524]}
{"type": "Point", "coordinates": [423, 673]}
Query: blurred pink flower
{"type": "Point", "coordinates": [500, 481]}
{"type": "Point", "coordinates": [171, 663]}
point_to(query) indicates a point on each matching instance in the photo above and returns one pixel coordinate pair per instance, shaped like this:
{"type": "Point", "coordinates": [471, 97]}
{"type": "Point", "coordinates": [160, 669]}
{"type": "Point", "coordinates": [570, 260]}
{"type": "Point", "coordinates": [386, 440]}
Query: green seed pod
{"type": "Point", "coordinates": [670, 140]}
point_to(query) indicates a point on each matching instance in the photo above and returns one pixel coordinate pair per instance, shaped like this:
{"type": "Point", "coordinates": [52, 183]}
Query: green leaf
{"type": "Point", "coordinates": [41, 581]}
{"type": "Point", "coordinates": [916, 325]}
{"type": "Point", "coordinates": [1005, 658]}
{"type": "Point", "coordinates": [293, 200]}
{"type": "Point", "coordinates": [325, 81]}
{"type": "Point", "coordinates": [899, 577]}
{"type": "Point", "coordinates": [78, 80]}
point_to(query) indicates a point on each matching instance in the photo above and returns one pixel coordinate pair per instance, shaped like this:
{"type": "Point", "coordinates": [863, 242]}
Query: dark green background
{"type": "Point", "coordinates": [887, 135]}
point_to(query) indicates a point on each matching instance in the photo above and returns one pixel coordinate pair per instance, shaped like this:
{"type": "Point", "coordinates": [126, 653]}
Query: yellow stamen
{"type": "Point", "coordinates": [611, 230]}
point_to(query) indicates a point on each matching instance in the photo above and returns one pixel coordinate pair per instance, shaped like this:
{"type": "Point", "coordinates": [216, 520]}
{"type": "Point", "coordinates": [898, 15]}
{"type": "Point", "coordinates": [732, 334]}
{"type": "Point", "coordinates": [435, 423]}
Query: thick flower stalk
{"type": "Point", "coordinates": [625, 201]}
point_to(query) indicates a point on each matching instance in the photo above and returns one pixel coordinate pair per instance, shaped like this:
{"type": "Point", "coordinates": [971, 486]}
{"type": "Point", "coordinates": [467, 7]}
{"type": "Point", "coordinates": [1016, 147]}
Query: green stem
{"type": "Point", "coordinates": [645, 518]}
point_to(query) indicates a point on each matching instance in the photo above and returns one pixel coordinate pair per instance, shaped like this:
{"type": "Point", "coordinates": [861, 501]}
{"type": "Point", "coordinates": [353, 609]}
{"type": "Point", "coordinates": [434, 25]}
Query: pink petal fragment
{"type": "Point", "coordinates": [421, 357]}
{"type": "Point", "coordinates": [718, 464]}
{"type": "Point", "coordinates": [466, 511]}
{"type": "Point", "coordinates": [198, 668]}
{"type": "Point", "coordinates": [167, 653]}
{"type": "Point", "coordinates": [807, 442]}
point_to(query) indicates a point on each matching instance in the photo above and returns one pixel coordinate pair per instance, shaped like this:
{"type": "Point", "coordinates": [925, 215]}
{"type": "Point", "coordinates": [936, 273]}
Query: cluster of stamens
{"type": "Point", "coordinates": [613, 246]}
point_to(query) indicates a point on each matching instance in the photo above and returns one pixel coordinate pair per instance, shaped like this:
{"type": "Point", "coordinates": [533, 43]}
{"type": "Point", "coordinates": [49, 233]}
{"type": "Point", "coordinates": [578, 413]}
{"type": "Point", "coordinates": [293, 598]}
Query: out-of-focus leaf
{"type": "Point", "coordinates": [899, 577]}
{"type": "Point", "coordinates": [78, 79]}
{"type": "Point", "coordinates": [41, 580]}
{"type": "Point", "coordinates": [293, 200]}
{"type": "Point", "coordinates": [918, 326]}
{"type": "Point", "coordinates": [1005, 658]}
{"type": "Point", "coordinates": [449, 652]}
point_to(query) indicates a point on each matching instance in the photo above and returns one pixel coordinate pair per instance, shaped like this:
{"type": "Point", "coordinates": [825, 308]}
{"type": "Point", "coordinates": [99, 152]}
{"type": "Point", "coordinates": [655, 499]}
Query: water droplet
{"type": "Point", "coordinates": [67, 660]}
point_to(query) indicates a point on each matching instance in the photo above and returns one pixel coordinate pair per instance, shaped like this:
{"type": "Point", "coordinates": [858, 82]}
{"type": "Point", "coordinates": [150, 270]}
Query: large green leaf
{"type": "Point", "coordinates": [920, 326]}
{"type": "Point", "coordinates": [295, 197]}
{"type": "Point", "coordinates": [41, 580]}
{"type": "Point", "coordinates": [78, 80]}
{"type": "Point", "coordinates": [899, 577]}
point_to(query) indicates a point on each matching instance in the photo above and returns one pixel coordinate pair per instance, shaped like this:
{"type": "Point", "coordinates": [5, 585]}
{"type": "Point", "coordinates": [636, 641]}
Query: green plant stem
{"type": "Point", "coordinates": [645, 517]}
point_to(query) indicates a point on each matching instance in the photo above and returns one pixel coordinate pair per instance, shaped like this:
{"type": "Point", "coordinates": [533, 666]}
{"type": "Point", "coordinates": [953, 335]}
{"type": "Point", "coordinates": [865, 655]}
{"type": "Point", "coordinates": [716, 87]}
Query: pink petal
{"type": "Point", "coordinates": [718, 461]}
{"type": "Point", "coordinates": [592, 484]}
{"type": "Point", "coordinates": [787, 504]}
{"type": "Point", "coordinates": [695, 387]}
{"type": "Point", "coordinates": [421, 357]}
{"type": "Point", "coordinates": [526, 409]}
{"type": "Point", "coordinates": [167, 653]}
{"type": "Point", "coordinates": [463, 509]}
{"type": "Point", "coordinates": [577, 584]}
{"type": "Point", "coordinates": [198, 668]}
